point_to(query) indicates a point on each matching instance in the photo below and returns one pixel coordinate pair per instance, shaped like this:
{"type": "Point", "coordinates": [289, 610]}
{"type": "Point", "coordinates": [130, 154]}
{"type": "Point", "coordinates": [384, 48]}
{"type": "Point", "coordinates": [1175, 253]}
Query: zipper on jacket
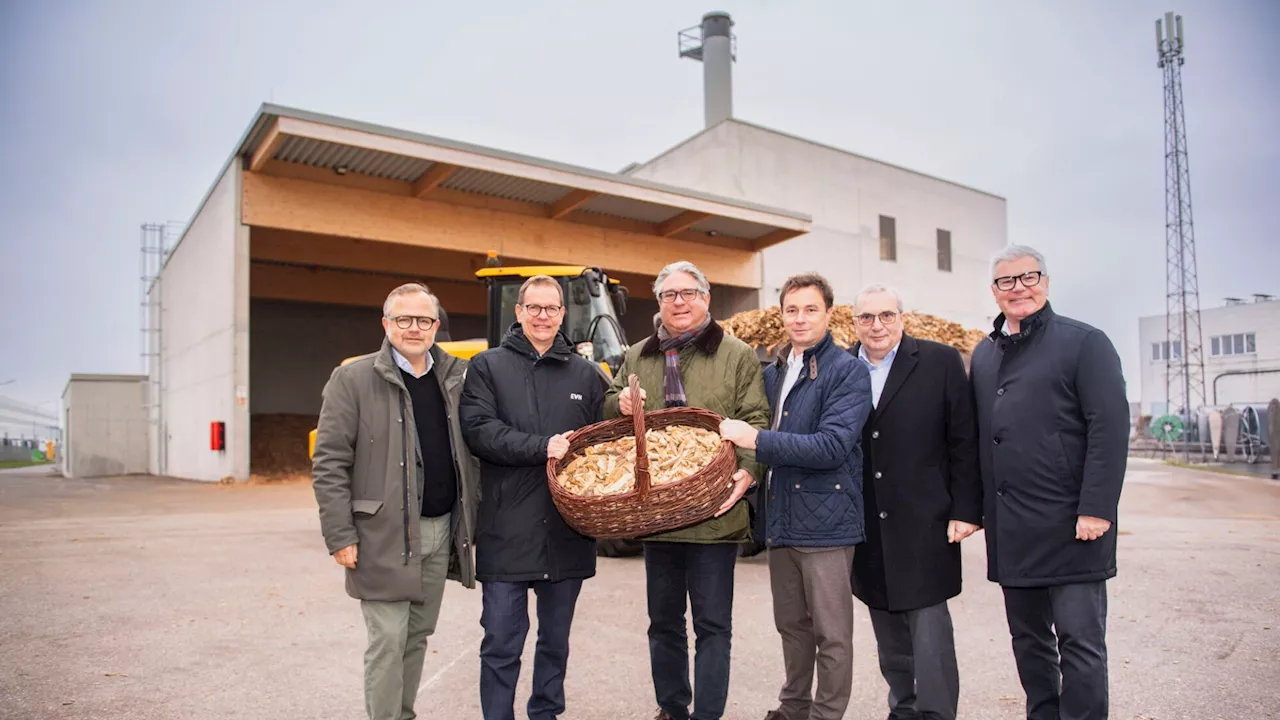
{"type": "Point", "coordinates": [404, 478]}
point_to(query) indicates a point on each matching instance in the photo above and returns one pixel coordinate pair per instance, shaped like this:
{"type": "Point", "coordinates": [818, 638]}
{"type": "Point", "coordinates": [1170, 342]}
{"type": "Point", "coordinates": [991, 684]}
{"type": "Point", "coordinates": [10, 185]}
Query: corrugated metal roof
{"type": "Point", "coordinates": [631, 209]}
{"type": "Point", "coordinates": [376, 163]}
{"type": "Point", "coordinates": [497, 185]}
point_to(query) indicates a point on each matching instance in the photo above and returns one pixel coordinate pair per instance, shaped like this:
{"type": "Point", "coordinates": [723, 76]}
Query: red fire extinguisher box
{"type": "Point", "coordinates": [218, 436]}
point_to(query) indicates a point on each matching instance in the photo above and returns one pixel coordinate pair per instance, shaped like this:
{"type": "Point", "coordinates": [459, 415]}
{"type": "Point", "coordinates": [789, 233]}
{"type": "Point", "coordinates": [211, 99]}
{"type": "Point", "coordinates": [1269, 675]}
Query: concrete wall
{"type": "Point", "coordinates": [845, 194]}
{"type": "Point", "coordinates": [1262, 319]}
{"type": "Point", "coordinates": [106, 426]}
{"type": "Point", "coordinates": [204, 340]}
{"type": "Point", "coordinates": [296, 346]}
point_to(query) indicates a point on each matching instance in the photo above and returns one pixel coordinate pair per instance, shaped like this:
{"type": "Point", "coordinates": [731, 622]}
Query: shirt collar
{"type": "Point", "coordinates": [403, 363]}
{"type": "Point", "coordinates": [888, 359]}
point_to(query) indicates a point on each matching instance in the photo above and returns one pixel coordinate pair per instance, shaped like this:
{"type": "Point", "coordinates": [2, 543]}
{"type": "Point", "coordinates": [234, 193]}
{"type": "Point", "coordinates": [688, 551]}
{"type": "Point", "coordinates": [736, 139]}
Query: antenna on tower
{"type": "Point", "coordinates": [1184, 359]}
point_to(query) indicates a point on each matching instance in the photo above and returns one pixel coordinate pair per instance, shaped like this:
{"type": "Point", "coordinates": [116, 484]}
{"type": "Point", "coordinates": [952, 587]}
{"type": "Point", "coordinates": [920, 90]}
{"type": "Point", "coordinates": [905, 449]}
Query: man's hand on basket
{"type": "Point", "coordinates": [625, 404]}
{"type": "Point", "coordinates": [739, 433]}
{"type": "Point", "coordinates": [741, 481]}
{"type": "Point", "coordinates": [558, 446]}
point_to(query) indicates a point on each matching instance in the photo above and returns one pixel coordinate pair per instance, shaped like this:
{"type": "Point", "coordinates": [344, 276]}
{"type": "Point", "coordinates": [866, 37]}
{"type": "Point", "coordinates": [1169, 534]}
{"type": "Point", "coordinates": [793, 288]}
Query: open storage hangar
{"type": "Point", "coordinates": [282, 272]}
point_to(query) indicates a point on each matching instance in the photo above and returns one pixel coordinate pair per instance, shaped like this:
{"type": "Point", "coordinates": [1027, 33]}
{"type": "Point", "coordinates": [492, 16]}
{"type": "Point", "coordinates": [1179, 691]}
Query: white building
{"type": "Point", "coordinates": [104, 419]}
{"type": "Point", "coordinates": [1241, 355]}
{"type": "Point", "coordinates": [872, 221]}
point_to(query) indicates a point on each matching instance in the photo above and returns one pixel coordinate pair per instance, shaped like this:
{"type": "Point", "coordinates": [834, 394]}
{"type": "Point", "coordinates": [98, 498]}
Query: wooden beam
{"type": "Point", "coordinates": [516, 166]}
{"type": "Point", "coordinates": [571, 202]}
{"type": "Point", "coordinates": [267, 147]}
{"type": "Point", "coordinates": [773, 238]}
{"type": "Point", "coordinates": [400, 188]}
{"type": "Point", "coordinates": [269, 244]}
{"type": "Point", "coordinates": [289, 204]}
{"type": "Point", "coordinates": [432, 178]}
{"type": "Point", "coordinates": [681, 222]}
{"type": "Point", "coordinates": [335, 287]}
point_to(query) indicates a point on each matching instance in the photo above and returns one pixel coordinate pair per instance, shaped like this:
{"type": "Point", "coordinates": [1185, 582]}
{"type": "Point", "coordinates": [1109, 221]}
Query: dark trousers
{"type": "Point", "coordinates": [703, 574]}
{"type": "Point", "coordinates": [505, 619]}
{"type": "Point", "coordinates": [1064, 673]}
{"type": "Point", "coordinates": [917, 651]}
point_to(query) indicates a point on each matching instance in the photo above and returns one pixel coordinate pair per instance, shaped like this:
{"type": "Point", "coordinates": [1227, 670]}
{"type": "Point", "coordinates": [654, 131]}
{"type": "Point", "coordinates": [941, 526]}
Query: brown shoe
{"type": "Point", "coordinates": [775, 715]}
{"type": "Point", "coordinates": [662, 715]}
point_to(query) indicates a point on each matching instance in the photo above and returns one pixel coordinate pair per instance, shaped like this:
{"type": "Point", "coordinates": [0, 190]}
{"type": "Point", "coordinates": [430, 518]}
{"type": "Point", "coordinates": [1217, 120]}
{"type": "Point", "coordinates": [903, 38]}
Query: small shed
{"type": "Point", "coordinates": [105, 426]}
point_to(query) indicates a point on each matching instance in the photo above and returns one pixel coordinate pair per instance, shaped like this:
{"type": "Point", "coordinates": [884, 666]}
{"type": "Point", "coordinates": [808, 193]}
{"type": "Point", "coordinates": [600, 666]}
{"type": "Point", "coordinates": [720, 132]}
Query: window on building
{"type": "Point", "coordinates": [1155, 351]}
{"type": "Point", "coordinates": [888, 238]}
{"type": "Point", "coordinates": [944, 250]}
{"type": "Point", "coordinates": [1160, 351]}
{"type": "Point", "coordinates": [1234, 344]}
{"type": "Point", "coordinates": [1177, 350]}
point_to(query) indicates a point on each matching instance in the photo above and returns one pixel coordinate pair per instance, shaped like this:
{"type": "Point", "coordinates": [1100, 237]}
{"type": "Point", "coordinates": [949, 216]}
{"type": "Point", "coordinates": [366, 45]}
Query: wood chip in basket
{"type": "Point", "coordinates": [675, 452]}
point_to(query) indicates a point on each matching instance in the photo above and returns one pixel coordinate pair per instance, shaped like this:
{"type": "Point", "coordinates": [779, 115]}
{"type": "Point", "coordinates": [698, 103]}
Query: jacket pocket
{"type": "Point", "coordinates": [366, 507]}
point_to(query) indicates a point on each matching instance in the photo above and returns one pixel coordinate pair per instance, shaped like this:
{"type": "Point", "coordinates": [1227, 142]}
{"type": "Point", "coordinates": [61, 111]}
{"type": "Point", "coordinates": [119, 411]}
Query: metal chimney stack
{"type": "Point", "coordinates": [712, 43]}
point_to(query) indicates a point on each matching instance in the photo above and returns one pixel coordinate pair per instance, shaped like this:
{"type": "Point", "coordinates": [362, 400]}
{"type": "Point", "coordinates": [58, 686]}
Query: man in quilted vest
{"type": "Point", "coordinates": [820, 398]}
{"type": "Point", "coordinates": [691, 362]}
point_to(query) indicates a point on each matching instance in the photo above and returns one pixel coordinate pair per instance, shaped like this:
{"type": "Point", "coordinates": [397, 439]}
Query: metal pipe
{"type": "Point", "coordinates": [1238, 372]}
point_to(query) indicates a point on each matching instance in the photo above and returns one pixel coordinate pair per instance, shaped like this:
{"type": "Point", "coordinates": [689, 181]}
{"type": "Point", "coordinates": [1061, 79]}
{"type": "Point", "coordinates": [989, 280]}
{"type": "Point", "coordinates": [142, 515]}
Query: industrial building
{"type": "Point", "coordinates": [281, 272]}
{"type": "Point", "coordinates": [105, 426]}
{"type": "Point", "coordinates": [1241, 355]}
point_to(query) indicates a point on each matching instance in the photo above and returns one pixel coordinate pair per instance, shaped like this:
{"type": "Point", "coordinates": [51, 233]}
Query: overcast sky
{"type": "Point", "coordinates": [113, 114]}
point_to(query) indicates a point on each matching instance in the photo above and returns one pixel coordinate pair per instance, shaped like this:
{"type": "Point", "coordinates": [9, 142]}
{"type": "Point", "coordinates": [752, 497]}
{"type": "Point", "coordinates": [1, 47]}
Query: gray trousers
{"type": "Point", "coordinates": [398, 632]}
{"type": "Point", "coordinates": [813, 611]}
{"type": "Point", "coordinates": [917, 651]}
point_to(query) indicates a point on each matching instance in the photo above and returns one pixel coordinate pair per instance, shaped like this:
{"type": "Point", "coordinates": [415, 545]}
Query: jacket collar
{"type": "Point", "coordinates": [810, 356]}
{"type": "Point", "coordinates": [708, 342]}
{"type": "Point", "coordinates": [1026, 329]}
{"type": "Point", "coordinates": [516, 341]}
{"type": "Point", "coordinates": [445, 365]}
{"type": "Point", "coordinates": [903, 363]}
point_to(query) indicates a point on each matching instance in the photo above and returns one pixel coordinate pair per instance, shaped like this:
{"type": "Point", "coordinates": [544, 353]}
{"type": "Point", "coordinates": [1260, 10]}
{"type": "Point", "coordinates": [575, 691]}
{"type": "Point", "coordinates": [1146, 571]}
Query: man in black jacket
{"type": "Point", "coordinates": [1053, 435]}
{"type": "Point", "coordinates": [519, 402]}
{"type": "Point", "coordinates": [922, 495]}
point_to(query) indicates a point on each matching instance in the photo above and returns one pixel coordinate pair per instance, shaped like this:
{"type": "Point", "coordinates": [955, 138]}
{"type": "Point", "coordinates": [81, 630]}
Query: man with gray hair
{"type": "Point", "coordinates": [1053, 436]}
{"type": "Point", "coordinates": [921, 497]}
{"type": "Point", "coordinates": [397, 491]}
{"type": "Point", "coordinates": [691, 361]}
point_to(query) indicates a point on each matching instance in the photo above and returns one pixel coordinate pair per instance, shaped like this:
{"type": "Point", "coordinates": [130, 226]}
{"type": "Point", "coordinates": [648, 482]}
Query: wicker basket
{"type": "Point", "coordinates": [646, 510]}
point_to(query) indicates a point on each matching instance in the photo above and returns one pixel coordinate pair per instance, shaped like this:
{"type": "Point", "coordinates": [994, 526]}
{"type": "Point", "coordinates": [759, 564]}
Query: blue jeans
{"type": "Point", "coordinates": [505, 619]}
{"type": "Point", "coordinates": [704, 574]}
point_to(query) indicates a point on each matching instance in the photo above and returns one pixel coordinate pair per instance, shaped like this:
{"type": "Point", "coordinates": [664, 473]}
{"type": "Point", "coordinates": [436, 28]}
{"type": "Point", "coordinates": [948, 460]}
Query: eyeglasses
{"type": "Point", "coordinates": [551, 311]}
{"type": "Point", "coordinates": [1028, 279]}
{"type": "Point", "coordinates": [404, 322]}
{"type": "Point", "coordinates": [667, 297]}
{"type": "Point", "coordinates": [888, 317]}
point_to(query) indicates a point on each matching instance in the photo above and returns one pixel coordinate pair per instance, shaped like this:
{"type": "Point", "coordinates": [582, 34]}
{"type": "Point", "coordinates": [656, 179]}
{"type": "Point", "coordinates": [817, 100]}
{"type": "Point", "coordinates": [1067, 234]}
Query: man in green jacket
{"type": "Point", "coordinates": [690, 361]}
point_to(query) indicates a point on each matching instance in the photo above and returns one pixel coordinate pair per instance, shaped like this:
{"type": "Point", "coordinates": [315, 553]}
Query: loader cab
{"type": "Point", "coordinates": [593, 302]}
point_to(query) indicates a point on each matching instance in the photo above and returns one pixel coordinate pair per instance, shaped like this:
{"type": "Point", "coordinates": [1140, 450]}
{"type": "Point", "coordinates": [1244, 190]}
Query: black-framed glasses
{"type": "Point", "coordinates": [551, 311]}
{"type": "Point", "coordinates": [1028, 279]}
{"type": "Point", "coordinates": [404, 322]}
{"type": "Point", "coordinates": [888, 317]}
{"type": "Point", "coordinates": [667, 297]}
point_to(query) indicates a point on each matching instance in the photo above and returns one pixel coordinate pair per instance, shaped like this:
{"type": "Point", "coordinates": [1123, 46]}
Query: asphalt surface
{"type": "Point", "coordinates": [157, 599]}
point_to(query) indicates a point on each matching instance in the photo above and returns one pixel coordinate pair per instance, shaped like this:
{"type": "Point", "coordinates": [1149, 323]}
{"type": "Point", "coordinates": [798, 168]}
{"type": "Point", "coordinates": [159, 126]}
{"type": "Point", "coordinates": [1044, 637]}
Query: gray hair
{"type": "Point", "coordinates": [686, 267]}
{"type": "Point", "coordinates": [1017, 252]}
{"type": "Point", "coordinates": [409, 289]}
{"type": "Point", "coordinates": [878, 288]}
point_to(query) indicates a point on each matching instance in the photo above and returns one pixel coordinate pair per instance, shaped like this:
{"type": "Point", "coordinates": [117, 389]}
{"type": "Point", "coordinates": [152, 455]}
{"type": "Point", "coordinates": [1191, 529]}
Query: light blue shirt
{"type": "Point", "coordinates": [879, 373]}
{"type": "Point", "coordinates": [403, 363]}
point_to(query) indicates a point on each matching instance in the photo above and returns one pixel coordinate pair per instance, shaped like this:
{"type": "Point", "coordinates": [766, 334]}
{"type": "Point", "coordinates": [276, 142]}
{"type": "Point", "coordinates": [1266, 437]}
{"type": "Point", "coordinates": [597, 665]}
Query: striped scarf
{"type": "Point", "coordinates": [672, 384]}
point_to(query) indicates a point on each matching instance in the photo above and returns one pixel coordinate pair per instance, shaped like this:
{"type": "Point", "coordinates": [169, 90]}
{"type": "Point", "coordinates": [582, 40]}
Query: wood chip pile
{"type": "Point", "coordinates": [675, 452]}
{"type": "Point", "coordinates": [278, 447]}
{"type": "Point", "coordinates": [763, 329]}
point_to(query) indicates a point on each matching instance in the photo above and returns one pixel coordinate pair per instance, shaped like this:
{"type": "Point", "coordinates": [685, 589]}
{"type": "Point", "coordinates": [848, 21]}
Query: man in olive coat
{"type": "Point", "coordinates": [397, 490]}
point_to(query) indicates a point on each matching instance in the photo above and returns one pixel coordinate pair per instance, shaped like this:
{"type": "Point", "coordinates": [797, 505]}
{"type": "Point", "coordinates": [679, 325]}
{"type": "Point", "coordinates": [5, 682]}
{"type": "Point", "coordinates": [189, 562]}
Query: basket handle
{"type": "Point", "coordinates": [642, 449]}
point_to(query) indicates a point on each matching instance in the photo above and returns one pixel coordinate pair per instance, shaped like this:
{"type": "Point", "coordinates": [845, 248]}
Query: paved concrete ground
{"type": "Point", "coordinates": [150, 598]}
